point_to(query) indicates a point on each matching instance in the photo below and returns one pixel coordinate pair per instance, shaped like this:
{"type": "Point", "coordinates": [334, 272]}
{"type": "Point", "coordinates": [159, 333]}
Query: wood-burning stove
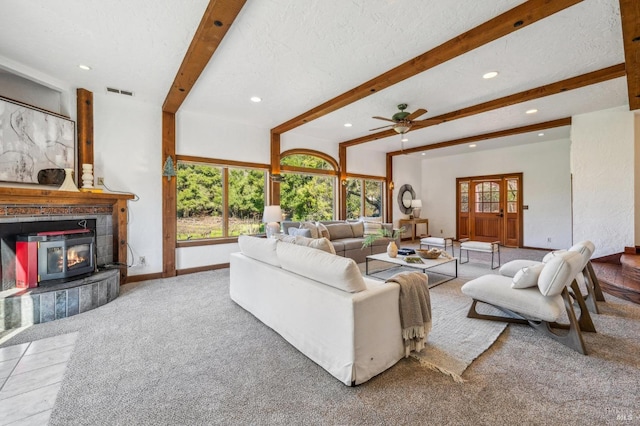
{"type": "Point", "coordinates": [53, 255]}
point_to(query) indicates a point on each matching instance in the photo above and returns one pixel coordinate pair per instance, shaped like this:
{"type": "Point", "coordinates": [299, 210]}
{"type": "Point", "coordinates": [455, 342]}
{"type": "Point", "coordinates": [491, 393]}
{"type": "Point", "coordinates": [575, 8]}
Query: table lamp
{"type": "Point", "coordinates": [417, 208]}
{"type": "Point", "coordinates": [272, 216]}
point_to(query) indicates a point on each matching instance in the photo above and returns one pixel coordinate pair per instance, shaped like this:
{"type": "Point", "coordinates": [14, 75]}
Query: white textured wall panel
{"type": "Point", "coordinates": [602, 164]}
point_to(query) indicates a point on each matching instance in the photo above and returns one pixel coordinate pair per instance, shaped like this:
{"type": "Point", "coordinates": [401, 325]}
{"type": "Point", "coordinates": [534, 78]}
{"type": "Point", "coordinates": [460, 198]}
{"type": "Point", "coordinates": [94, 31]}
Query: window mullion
{"type": "Point", "coordinates": [225, 201]}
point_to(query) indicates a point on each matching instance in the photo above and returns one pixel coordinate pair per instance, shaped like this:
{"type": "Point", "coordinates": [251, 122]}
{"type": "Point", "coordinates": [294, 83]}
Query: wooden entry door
{"type": "Point", "coordinates": [489, 208]}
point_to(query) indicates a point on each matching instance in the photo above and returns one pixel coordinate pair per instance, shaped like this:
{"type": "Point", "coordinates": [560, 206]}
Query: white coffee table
{"type": "Point", "coordinates": [426, 265]}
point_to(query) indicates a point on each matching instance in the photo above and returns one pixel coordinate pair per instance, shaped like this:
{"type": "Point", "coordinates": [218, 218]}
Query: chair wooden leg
{"type": "Point", "coordinates": [599, 296]}
{"type": "Point", "coordinates": [590, 297]}
{"type": "Point", "coordinates": [585, 321]}
{"type": "Point", "coordinates": [473, 313]}
{"type": "Point", "coordinates": [573, 337]}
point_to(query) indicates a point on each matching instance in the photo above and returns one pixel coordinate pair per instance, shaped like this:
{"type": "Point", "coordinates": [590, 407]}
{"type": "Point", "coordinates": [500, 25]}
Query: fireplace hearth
{"type": "Point", "coordinates": [54, 255]}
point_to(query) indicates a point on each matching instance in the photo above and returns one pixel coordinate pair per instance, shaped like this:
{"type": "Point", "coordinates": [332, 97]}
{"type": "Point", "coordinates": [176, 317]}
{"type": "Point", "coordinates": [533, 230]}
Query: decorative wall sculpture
{"type": "Point", "coordinates": [31, 140]}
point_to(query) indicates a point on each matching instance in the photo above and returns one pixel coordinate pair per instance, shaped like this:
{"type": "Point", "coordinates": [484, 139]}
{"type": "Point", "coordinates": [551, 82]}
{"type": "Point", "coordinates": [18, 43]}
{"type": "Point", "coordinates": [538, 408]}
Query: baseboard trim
{"type": "Point", "coordinates": [202, 269]}
{"type": "Point", "coordinates": [612, 258]}
{"type": "Point", "coordinates": [538, 248]}
{"type": "Point", "coordinates": [632, 250]}
{"type": "Point", "coordinates": [142, 277]}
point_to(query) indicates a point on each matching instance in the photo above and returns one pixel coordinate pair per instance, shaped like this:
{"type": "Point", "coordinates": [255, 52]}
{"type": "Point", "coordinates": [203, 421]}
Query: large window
{"type": "Point", "coordinates": [366, 203]}
{"type": "Point", "coordinates": [215, 201]}
{"type": "Point", "coordinates": [308, 187]}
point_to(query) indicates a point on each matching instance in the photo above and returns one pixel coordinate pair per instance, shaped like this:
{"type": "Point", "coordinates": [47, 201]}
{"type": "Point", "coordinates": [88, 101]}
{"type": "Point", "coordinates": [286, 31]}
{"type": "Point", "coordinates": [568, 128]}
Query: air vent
{"type": "Point", "coordinates": [118, 91]}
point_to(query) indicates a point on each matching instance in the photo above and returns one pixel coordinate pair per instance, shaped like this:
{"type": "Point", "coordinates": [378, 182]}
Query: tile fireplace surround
{"type": "Point", "coordinates": [46, 303]}
{"type": "Point", "coordinates": [109, 210]}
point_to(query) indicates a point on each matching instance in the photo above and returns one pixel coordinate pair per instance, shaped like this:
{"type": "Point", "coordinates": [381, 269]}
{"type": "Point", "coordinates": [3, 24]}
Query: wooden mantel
{"type": "Point", "coordinates": [37, 202]}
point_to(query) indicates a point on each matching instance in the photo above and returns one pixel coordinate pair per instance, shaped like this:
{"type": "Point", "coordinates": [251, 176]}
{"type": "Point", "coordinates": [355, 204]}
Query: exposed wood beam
{"type": "Point", "coordinates": [485, 136]}
{"type": "Point", "coordinates": [169, 190]}
{"type": "Point", "coordinates": [630, 16]}
{"type": "Point", "coordinates": [342, 159]}
{"type": "Point", "coordinates": [519, 17]}
{"type": "Point", "coordinates": [274, 187]}
{"type": "Point", "coordinates": [215, 23]}
{"type": "Point", "coordinates": [390, 187]}
{"type": "Point", "coordinates": [583, 80]}
{"type": "Point", "coordinates": [84, 109]}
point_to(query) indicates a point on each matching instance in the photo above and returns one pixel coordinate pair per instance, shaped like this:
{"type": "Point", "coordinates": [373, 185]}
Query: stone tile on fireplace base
{"type": "Point", "coordinates": [23, 307]}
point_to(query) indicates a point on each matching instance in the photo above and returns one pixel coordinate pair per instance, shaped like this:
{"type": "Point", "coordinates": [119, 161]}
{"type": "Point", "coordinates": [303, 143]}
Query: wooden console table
{"type": "Point", "coordinates": [413, 223]}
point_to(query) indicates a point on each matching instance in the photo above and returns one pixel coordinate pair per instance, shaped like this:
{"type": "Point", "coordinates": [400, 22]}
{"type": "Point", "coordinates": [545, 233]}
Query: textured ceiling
{"type": "Point", "coordinates": [298, 54]}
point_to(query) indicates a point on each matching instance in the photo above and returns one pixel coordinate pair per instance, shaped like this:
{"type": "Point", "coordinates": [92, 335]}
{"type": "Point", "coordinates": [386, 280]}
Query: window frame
{"type": "Point", "coordinates": [225, 165]}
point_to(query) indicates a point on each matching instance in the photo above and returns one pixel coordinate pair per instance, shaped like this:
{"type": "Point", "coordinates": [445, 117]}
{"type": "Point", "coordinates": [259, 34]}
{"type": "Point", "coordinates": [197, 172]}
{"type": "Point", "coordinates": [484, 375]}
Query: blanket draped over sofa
{"type": "Point", "coordinates": [415, 309]}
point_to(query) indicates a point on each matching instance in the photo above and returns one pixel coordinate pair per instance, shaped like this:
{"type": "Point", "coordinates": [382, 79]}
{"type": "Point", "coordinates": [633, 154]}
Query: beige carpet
{"type": "Point", "coordinates": [455, 341]}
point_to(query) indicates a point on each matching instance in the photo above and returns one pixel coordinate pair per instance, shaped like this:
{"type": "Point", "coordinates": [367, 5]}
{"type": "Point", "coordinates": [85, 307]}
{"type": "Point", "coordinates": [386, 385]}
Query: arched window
{"type": "Point", "coordinates": [308, 186]}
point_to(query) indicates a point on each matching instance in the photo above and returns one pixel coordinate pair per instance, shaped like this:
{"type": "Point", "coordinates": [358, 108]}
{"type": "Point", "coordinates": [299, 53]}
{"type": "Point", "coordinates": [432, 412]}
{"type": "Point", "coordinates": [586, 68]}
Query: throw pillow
{"type": "Point", "coordinates": [527, 276]}
{"type": "Point", "coordinates": [335, 271]}
{"type": "Point", "coordinates": [372, 228]}
{"type": "Point", "coordinates": [340, 230]}
{"type": "Point", "coordinates": [311, 227]}
{"type": "Point", "coordinates": [286, 238]}
{"type": "Point", "coordinates": [324, 232]}
{"type": "Point", "coordinates": [303, 232]}
{"type": "Point", "coordinates": [262, 249]}
{"type": "Point", "coordinates": [317, 243]}
{"type": "Point", "coordinates": [357, 228]}
{"type": "Point", "coordinates": [547, 257]}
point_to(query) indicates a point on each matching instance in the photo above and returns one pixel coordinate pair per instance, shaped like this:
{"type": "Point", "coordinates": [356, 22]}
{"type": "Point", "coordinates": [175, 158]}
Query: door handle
{"type": "Point", "coordinates": [501, 214]}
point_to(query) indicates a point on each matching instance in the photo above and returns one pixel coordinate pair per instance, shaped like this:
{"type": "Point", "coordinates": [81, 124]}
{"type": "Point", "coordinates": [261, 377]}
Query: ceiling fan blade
{"type": "Point", "coordinates": [417, 113]}
{"type": "Point", "coordinates": [383, 127]}
{"type": "Point", "coordinates": [385, 119]}
{"type": "Point", "coordinates": [428, 121]}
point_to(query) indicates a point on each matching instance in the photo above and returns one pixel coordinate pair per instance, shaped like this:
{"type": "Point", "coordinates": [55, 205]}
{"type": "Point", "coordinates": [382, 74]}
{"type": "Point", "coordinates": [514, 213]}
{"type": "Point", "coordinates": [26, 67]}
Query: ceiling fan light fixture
{"type": "Point", "coordinates": [402, 127]}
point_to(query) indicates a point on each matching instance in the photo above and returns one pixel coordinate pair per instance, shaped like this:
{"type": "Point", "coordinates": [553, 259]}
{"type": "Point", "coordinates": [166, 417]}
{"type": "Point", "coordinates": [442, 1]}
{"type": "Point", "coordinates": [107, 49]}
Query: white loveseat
{"type": "Point", "coordinates": [321, 304]}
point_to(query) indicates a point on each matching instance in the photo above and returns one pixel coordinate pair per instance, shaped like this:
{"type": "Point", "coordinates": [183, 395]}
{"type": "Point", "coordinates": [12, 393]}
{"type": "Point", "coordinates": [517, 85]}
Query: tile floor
{"type": "Point", "coordinates": [30, 378]}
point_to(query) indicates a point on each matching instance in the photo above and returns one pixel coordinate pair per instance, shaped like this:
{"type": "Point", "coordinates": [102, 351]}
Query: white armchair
{"type": "Point", "coordinates": [538, 298]}
{"type": "Point", "coordinates": [586, 278]}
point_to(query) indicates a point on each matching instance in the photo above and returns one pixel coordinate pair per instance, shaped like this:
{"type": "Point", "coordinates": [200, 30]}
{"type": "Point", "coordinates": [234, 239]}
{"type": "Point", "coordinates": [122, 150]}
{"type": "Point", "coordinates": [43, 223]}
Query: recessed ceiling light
{"type": "Point", "coordinates": [473, 145]}
{"type": "Point", "coordinates": [424, 153]}
{"type": "Point", "coordinates": [84, 67]}
{"type": "Point", "coordinates": [540, 134]}
{"type": "Point", "coordinates": [404, 140]}
{"type": "Point", "coordinates": [531, 111]}
{"type": "Point", "coordinates": [348, 124]}
{"type": "Point", "coordinates": [256, 99]}
{"type": "Point", "coordinates": [490, 75]}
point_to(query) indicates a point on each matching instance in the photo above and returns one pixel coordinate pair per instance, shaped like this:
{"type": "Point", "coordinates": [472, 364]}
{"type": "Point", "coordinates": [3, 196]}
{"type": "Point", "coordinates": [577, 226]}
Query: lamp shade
{"type": "Point", "coordinates": [272, 214]}
{"type": "Point", "coordinates": [416, 203]}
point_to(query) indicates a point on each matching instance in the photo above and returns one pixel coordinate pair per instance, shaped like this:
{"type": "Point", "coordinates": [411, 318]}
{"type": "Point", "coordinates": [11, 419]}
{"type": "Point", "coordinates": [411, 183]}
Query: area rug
{"type": "Point", "coordinates": [455, 341]}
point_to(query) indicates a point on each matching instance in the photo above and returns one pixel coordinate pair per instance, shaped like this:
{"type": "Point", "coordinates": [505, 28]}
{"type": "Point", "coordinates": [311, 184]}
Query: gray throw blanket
{"type": "Point", "coordinates": [415, 309]}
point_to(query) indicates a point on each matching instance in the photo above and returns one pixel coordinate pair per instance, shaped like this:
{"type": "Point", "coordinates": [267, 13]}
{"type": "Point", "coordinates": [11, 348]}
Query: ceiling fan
{"type": "Point", "coordinates": [403, 120]}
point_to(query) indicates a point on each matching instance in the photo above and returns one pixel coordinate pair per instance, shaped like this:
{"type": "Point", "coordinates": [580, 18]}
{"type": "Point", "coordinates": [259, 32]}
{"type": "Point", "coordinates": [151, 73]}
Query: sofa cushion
{"type": "Point", "coordinates": [286, 238]}
{"type": "Point", "coordinates": [357, 228]}
{"type": "Point", "coordinates": [351, 243]}
{"type": "Point", "coordinates": [338, 246]}
{"type": "Point", "coordinates": [324, 232]}
{"type": "Point", "coordinates": [311, 226]}
{"type": "Point", "coordinates": [262, 249]}
{"type": "Point", "coordinates": [527, 276]}
{"type": "Point", "coordinates": [372, 228]}
{"type": "Point", "coordinates": [558, 273]}
{"type": "Point", "coordinates": [317, 243]}
{"type": "Point", "coordinates": [303, 232]}
{"type": "Point", "coordinates": [335, 271]}
{"type": "Point", "coordinates": [339, 230]}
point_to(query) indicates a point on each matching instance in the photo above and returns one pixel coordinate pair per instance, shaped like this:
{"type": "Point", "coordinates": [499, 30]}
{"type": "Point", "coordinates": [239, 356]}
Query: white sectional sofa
{"type": "Point", "coordinates": [321, 304]}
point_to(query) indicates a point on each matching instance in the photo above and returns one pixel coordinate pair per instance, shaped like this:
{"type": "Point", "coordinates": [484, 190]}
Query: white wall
{"type": "Point", "coordinates": [127, 153]}
{"type": "Point", "coordinates": [202, 135]}
{"type": "Point", "coordinates": [406, 170]}
{"type": "Point", "coordinates": [291, 140]}
{"type": "Point", "coordinates": [637, 178]}
{"type": "Point", "coordinates": [602, 163]}
{"type": "Point", "coordinates": [546, 189]}
{"type": "Point", "coordinates": [366, 162]}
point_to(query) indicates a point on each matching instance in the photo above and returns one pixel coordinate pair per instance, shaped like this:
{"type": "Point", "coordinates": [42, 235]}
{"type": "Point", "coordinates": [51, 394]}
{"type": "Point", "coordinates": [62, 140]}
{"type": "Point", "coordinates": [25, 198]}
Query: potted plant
{"type": "Point", "coordinates": [392, 248]}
